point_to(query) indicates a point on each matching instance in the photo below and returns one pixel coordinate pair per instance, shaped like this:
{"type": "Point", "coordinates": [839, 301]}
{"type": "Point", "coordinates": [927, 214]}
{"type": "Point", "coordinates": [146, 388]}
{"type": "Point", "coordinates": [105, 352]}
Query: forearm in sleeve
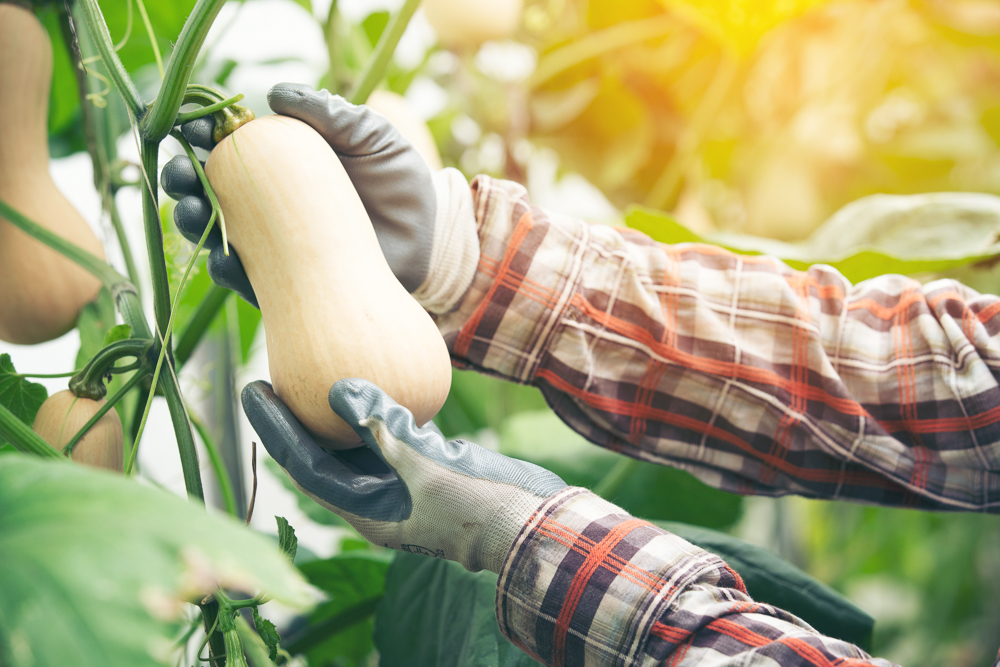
{"type": "Point", "coordinates": [587, 584]}
{"type": "Point", "coordinates": [752, 376]}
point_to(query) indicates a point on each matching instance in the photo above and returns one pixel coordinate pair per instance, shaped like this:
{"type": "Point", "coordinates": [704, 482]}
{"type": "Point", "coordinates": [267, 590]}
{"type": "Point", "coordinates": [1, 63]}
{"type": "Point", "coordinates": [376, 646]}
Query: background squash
{"type": "Point", "coordinates": [41, 292]}
{"type": "Point", "coordinates": [331, 306]}
{"type": "Point", "coordinates": [63, 414]}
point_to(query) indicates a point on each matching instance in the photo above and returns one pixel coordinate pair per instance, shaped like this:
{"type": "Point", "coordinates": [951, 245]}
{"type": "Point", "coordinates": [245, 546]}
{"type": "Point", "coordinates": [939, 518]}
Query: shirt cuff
{"type": "Point", "coordinates": [455, 252]}
{"type": "Point", "coordinates": [585, 581]}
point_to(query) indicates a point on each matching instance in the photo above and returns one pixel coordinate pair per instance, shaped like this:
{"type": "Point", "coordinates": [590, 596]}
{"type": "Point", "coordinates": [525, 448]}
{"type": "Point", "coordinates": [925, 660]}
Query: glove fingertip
{"type": "Point", "coordinates": [198, 132]}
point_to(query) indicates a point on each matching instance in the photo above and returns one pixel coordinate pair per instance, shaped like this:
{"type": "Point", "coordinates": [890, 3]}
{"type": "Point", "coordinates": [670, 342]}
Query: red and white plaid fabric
{"type": "Point", "coordinates": [756, 378]}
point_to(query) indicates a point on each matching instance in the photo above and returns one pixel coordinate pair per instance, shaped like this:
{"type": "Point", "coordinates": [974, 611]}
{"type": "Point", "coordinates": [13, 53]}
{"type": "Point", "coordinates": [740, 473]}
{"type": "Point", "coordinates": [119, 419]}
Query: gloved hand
{"type": "Point", "coordinates": [392, 179]}
{"type": "Point", "coordinates": [408, 489]}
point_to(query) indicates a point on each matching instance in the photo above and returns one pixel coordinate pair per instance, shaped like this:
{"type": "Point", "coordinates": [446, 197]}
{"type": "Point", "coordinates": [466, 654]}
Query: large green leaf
{"type": "Point", "coordinates": [340, 630]}
{"type": "Point", "coordinates": [650, 491]}
{"type": "Point", "coordinates": [95, 566]}
{"type": "Point", "coordinates": [415, 624]}
{"type": "Point", "coordinates": [872, 236]}
{"type": "Point", "coordinates": [775, 581]}
{"type": "Point", "coordinates": [435, 612]}
{"type": "Point", "coordinates": [18, 395]}
{"type": "Point", "coordinates": [479, 401]}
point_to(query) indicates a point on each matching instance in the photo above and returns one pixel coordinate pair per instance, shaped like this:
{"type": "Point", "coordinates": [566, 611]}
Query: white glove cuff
{"type": "Point", "coordinates": [455, 253]}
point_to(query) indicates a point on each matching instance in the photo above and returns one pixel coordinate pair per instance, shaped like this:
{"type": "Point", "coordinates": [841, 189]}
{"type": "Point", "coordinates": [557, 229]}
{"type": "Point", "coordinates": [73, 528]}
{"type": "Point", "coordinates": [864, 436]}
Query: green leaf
{"type": "Point", "coordinates": [268, 633]}
{"type": "Point", "coordinates": [18, 395]}
{"type": "Point", "coordinates": [96, 321]}
{"type": "Point", "coordinates": [249, 320]}
{"type": "Point", "coordinates": [869, 237]}
{"type": "Point", "coordinates": [478, 401]}
{"type": "Point", "coordinates": [652, 491]}
{"type": "Point", "coordinates": [117, 333]}
{"type": "Point", "coordinates": [96, 567]}
{"type": "Point", "coordinates": [64, 96]}
{"type": "Point", "coordinates": [340, 630]}
{"type": "Point", "coordinates": [287, 541]}
{"type": "Point", "coordinates": [773, 580]}
{"type": "Point", "coordinates": [417, 621]}
{"type": "Point", "coordinates": [320, 515]}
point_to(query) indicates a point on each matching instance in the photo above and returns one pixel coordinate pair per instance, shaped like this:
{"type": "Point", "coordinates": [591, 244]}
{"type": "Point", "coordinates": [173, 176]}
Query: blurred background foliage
{"type": "Point", "coordinates": [758, 117]}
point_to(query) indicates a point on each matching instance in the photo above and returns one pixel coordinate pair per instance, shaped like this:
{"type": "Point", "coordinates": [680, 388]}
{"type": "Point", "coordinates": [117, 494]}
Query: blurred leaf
{"type": "Point", "coordinates": [117, 333]}
{"type": "Point", "coordinates": [308, 506]}
{"type": "Point", "coordinates": [305, 4]}
{"type": "Point", "coordinates": [869, 237]}
{"type": "Point", "coordinates": [167, 19]}
{"type": "Point", "coordinates": [64, 96]}
{"type": "Point", "coordinates": [479, 401]}
{"type": "Point", "coordinates": [249, 321]}
{"type": "Point", "coordinates": [605, 13]}
{"type": "Point", "coordinates": [287, 541]}
{"type": "Point", "coordinates": [373, 26]}
{"type": "Point", "coordinates": [341, 629]}
{"type": "Point", "coordinates": [772, 580]}
{"type": "Point", "coordinates": [416, 621]}
{"type": "Point", "coordinates": [652, 491]}
{"type": "Point", "coordinates": [103, 564]}
{"type": "Point", "coordinates": [19, 395]}
{"type": "Point", "coordinates": [268, 633]}
{"type": "Point", "coordinates": [738, 24]}
{"type": "Point", "coordinates": [96, 321]}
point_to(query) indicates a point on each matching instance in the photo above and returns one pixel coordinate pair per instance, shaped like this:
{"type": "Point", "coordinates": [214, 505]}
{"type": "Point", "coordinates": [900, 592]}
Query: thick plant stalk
{"type": "Point", "coordinates": [161, 117]}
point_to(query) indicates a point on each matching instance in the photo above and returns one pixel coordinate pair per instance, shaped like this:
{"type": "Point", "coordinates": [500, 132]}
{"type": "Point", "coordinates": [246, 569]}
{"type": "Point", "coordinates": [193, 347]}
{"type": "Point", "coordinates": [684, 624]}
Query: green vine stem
{"type": "Point", "coordinates": [106, 48]}
{"type": "Point", "coordinates": [89, 383]}
{"type": "Point", "coordinates": [377, 64]}
{"type": "Point", "coordinates": [100, 143]}
{"type": "Point", "coordinates": [108, 405]}
{"type": "Point", "coordinates": [225, 484]}
{"type": "Point", "coordinates": [19, 434]}
{"type": "Point", "coordinates": [162, 114]}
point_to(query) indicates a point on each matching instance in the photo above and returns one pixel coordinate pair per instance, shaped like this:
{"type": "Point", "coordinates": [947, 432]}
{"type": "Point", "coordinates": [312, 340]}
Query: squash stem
{"type": "Point", "coordinates": [108, 405]}
{"type": "Point", "coordinates": [88, 382]}
{"type": "Point", "coordinates": [377, 64]}
{"type": "Point", "coordinates": [186, 116]}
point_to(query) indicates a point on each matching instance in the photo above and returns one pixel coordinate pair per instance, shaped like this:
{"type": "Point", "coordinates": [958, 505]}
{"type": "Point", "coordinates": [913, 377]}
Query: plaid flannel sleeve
{"type": "Point", "coordinates": [587, 584]}
{"type": "Point", "coordinates": [754, 377]}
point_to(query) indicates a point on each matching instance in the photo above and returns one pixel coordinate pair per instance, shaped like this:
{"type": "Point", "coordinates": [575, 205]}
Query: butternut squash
{"type": "Point", "coordinates": [397, 111]}
{"type": "Point", "coordinates": [331, 306]}
{"type": "Point", "coordinates": [63, 414]}
{"type": "Point", "coordinates": [41, 292]}
{"type": "Point", "coordinates": [469, 23]}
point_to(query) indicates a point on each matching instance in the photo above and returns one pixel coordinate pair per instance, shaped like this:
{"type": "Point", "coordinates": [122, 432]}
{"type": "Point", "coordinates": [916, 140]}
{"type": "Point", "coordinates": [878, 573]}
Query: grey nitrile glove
{"type": "Point", "coordinates": [409, 489]}
{"type": "Point", "coordinates": [392, 179]}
